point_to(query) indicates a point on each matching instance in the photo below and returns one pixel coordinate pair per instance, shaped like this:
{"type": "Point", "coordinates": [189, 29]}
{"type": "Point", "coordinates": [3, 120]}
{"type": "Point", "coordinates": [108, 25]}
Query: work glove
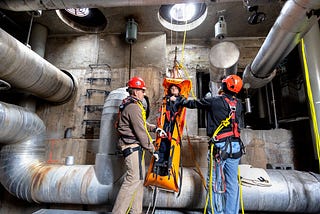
{"type": "Point", "coordinates": [156, 156]}
{"type": "Point", "coordinates": [161, 132]}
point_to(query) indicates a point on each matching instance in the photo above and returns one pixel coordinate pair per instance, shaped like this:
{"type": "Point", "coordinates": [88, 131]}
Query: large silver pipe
{"type": "Point", "coordinates": [223, 58]}
{"type": "Point", "coordinates": [291, 191]}
{"type": "Point", "coordinates": [107, 161]}
{"type": "Point", "coordinates": [38, 38]}
{"type": "Point", "coordinates": [312, 78]}
{"type": "Point", "coordinates": [26, 70]}
{"type": "Point", "coordinates": [18, 5]}
{"type": "Point", "coordinates": [295, 20]}
{"type": "Point", "coordinates": [24, 173]}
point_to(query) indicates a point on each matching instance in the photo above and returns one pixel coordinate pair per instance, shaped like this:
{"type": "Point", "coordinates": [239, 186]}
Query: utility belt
{"type": "Point", "coordinates": [229, 147]}
{"type": "Point", "coordinates": [128, 151]}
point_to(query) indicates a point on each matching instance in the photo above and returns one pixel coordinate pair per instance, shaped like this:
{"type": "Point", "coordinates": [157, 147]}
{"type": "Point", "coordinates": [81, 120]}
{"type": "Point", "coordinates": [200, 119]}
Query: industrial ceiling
{"type": "Point", "coordinates": [15, 17]}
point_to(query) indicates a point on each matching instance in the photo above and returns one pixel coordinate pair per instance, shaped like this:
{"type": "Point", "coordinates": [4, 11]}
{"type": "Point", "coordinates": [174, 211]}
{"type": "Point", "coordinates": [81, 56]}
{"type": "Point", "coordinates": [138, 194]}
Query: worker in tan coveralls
{"type": "Point", "coordinates": [134, 138]}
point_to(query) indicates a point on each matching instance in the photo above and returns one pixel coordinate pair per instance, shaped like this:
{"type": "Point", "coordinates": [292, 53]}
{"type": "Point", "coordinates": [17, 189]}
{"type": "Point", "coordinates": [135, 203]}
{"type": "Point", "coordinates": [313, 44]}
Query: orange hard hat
{"type": "Point", "coordinates": [233, 82]}
{"type": "Point", "coordinates": [136, 82]}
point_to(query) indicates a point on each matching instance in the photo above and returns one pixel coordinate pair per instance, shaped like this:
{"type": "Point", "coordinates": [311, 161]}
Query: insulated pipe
{"type": "Point", "coordinates": [26, 70]}
{"type": "Point", "coordinates": [291, 191]}
{"type": "Point", "coordinates": [38, 38]}
{"type": "Point", "coordinates": [312, 78]}
{"type": "Point", "coordinates": [295, 19]}
{"type": "Point", "coordinates": [24, 173]}
{"type": "Point", "coordinates": [18, 5]}
{"type": "Point", "coordinates": [223, 58]}
{"type": "Point", "coordinates": [107, 161]}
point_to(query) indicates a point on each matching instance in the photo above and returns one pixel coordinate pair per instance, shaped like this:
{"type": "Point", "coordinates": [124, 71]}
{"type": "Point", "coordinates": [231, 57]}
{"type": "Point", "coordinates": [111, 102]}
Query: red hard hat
{"type": "Point", "coordinates": [233, 82]}
{"type": "Point", "coordinates": [136, 82]}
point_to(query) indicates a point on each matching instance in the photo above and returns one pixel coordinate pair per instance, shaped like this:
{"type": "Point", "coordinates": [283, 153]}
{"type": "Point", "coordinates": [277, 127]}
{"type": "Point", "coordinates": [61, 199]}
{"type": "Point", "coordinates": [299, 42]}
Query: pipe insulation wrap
{"type": "Point", "coordinates": [291, 191]}
{"type": "Point", "coordinates": [23, 171]}
{"type": "Point", "coordinates": [27, 131]}
{"type": "Point", "coordinates": [108, 165]}
{"type": "Point", "coordinates": [26, 70]}
{"type": "Point", "coordinates": [25, 175]}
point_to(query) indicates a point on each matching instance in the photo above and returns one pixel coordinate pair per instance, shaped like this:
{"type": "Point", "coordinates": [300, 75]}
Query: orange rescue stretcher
{"type": "Point", "coordinates": [165, 174]}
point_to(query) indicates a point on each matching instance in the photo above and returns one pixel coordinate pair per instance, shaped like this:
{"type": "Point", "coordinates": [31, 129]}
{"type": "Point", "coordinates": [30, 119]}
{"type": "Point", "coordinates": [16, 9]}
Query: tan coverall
{"type": "Point", "coordinates": [132, 134]}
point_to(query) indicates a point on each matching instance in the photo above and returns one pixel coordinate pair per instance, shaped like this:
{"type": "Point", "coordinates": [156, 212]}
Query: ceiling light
{"type": "Point", "coordinates": [182, 17]}
{"type": "Point", "coordinates": [182, 12]}
{"type": "Point", "coordinates": [80, 12]}
{"type": "Point", "coordinates": [89, 20]}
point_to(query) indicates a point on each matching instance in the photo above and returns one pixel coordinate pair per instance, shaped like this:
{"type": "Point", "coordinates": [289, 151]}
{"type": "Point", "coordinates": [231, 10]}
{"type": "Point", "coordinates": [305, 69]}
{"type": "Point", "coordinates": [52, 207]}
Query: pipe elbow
{"type": "Point", "coordinates": [252, 81]}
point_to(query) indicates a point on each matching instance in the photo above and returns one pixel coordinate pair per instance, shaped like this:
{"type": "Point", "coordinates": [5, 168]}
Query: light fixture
{"type": "Point", "coordinates": [89, 20]}
{"type": "Point", "coordinates": [220, 28]}
{"type": "Point", "coordinates": [80, 12]}
{"type": "Point", "coordinates": [182, 17]}
{"type": "Point", "coordinates": [182, 12]}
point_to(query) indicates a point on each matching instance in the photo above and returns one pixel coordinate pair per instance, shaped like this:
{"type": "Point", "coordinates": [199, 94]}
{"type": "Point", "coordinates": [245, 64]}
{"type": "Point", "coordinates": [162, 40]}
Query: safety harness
{"type": "Point", "coordinates": [220, 153]}
{"type": "Point", "coordinates": [129, 151]}
{"type": "Point", "coordinates": [224, 123]}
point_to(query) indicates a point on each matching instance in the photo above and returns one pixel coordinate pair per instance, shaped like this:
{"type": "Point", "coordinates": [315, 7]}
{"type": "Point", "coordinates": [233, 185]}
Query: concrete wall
{"type": "Point", "coordinates": [100, 64]}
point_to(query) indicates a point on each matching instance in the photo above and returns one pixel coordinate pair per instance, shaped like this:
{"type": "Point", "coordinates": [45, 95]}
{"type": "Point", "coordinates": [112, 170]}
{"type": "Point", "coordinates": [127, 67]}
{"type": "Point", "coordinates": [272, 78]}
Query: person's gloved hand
{"type": "Point", "coordinates": [161, 132]}
{"type": "Point", "coordinates": [156, 156]}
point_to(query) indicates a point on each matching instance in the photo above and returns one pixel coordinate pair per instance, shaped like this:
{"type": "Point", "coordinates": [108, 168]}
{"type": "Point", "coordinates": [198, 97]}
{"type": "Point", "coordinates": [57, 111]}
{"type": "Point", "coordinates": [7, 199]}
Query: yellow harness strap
{"type": "Point", "coordinates": [144, 117]}
{"type": "Point", "coordinates": [224, 123]}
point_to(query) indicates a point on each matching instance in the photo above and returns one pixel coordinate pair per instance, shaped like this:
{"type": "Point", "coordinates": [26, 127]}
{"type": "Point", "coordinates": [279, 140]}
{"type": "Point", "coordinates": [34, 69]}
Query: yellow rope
{"type": "Point", "coordinates": [224, 123]}
{"type": "Point", "coordinates": [131, 201]}
{"type": "Point", "coordinates": [209, 196]}
{"type": "Point", "coordinates": [240, 187]}
{"type": "Point", "coordinates": [182, 56]}
{"type": "Point", "coordinates": [144, 117]}
{"type": "Point", "coordinates": [311, 101]}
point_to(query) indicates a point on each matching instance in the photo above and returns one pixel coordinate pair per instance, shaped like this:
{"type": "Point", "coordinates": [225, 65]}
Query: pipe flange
{"type": "Point", "coordinates": [251, 81]}
{"type": "Point", "coordinates": [4, 85]}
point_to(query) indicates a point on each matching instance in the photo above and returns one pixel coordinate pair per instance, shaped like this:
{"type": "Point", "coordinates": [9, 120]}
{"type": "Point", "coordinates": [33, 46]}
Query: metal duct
{"type": "Point", "coordinates": [295, 19]}
{"type": "Point", "coordinates": [223, 59]}
{"type": "Point", "coordinates": [26, 70]}
{"type": "Point", "coordinates": [312, 77]}
{"type": "Point", "coordinates": [25, 5]}
{"type": "Point", "coordinates": [38, 38]}
{"type": "Point", "coordinates": [107, 161]}
{"type": "Point", "coordinates": [24, 173]}
{"type": "Point", "coordinates": [291, 191]}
